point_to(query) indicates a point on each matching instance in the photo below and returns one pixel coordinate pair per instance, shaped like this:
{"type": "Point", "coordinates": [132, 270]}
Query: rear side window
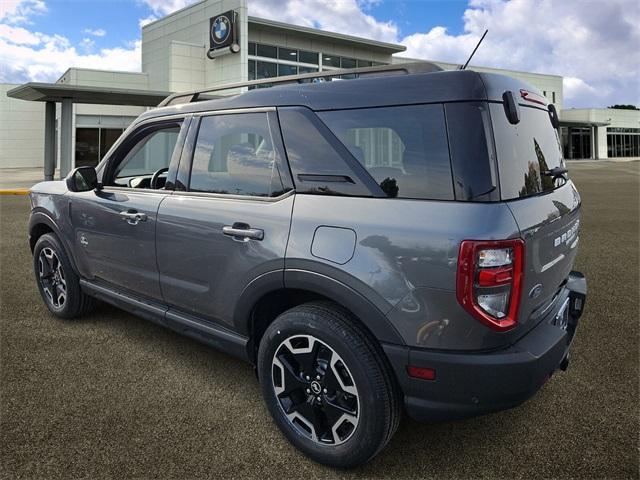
{"type": "Point", "coordinates": [525, 151]}
{"type": "Point", "coordinates": [403, 148]}
{"type": "Point", "coordinates": [235, 155]}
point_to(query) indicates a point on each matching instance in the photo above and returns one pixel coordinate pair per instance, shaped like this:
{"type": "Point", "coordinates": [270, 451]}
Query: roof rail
{"type": "Point", "coordinates": [380, 70]}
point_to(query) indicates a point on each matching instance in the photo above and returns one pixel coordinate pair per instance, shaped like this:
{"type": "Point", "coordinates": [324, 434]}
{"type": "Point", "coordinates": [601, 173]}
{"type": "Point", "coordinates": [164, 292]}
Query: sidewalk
{"type": "Point", "coordinates": [21, 178]}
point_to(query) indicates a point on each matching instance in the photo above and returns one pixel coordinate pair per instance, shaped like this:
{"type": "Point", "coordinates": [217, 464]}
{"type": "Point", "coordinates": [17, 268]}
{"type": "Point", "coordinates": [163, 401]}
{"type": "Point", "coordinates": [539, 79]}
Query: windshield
{"type": "Point", "coordinates": [526, 152]}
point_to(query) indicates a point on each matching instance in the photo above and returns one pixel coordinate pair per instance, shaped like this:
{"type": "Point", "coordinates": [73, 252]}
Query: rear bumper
{"type": "Point", "coordinates": [470, 384]}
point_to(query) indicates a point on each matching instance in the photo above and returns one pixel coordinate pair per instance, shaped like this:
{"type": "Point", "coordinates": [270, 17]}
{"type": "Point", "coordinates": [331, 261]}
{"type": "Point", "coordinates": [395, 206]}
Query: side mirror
{"type": "Point", "coordinates": [82, 179]}
{"type": "Point", "coordinates": [511, 107]}
{"type": "Point", "coordinates": [553, 114]}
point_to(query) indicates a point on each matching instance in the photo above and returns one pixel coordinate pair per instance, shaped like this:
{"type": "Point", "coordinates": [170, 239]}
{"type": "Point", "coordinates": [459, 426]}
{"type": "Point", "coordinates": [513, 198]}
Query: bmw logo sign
{"type": "Point", "coordinates": [220, 30]}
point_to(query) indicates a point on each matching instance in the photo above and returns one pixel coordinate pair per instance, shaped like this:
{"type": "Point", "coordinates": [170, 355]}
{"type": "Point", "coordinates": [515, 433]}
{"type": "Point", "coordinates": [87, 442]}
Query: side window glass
{"type": "Point", "coordinates": [403, 148]}
{"type": "Point", "coordinates": [235, 155]}
{"type": "Point", "coordinates": [150, 155]}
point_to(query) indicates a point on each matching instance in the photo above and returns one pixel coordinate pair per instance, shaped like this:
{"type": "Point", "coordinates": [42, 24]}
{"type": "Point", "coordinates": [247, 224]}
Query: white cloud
{"type": "Point", "coordinates": [342, 16]}
{"type": "Point", "coordinates": [98, 32]}
{"type": "Point", "coordinates": [594, 45]}
{"type": "Point", "coordinates": [51, 56]}
{"type": "Point", "coordinates": [147, 20]}
{"type": "Point", "coordinates": [18, 11]}
{"type": "Point", "coordinates": [164, 7]}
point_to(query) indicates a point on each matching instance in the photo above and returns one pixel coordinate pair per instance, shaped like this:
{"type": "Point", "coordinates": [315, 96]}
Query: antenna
{"type": "Point", "coordinates": [474, 50]}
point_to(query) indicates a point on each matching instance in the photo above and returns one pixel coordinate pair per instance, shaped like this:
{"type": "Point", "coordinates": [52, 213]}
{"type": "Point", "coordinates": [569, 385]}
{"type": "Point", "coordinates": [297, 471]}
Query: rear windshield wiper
{"type": "Point", "coordinates": [555, 172]}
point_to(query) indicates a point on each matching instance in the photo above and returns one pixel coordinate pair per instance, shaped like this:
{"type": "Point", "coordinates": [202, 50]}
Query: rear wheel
{"type": "Point", "coordinates": [58, 284]}
{"type": "Point", "coordinates": [327, 386]}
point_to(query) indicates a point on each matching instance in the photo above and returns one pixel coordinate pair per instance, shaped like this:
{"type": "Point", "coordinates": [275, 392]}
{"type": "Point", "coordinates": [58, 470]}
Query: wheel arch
{"type": "Point", "coordinates": [275, 292]}
{"type": "Point", "coordinates": [40, 224]}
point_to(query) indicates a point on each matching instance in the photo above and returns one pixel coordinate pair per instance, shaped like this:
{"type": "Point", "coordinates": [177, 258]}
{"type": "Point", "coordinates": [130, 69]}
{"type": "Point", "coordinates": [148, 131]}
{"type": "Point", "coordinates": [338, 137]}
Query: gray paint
{"type": "Point", "coordinates": [393, 262]}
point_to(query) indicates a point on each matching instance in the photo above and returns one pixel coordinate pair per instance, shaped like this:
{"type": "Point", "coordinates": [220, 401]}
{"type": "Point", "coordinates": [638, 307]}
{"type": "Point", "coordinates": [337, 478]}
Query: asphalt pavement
{"type": "Point", "coordinates": [114, 396]}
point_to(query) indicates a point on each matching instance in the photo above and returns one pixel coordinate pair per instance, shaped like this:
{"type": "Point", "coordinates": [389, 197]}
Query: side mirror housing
{"type": "Point", "coordinates": [82, 179]}
{"type": "Point", "coordinates": [511, 107]}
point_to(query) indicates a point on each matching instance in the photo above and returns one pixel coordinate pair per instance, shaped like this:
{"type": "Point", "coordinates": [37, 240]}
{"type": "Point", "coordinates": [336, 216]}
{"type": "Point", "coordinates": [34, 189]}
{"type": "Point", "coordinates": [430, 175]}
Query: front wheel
{"type": "Point", "coordinates": [58, 284]}
{"type": "Point", "coordinates": [327, 386]}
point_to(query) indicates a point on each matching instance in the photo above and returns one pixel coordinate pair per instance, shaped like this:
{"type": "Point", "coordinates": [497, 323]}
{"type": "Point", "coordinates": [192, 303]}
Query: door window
{"type": "Point", "coordinates": [151, 154]}
{"type": "Point", "coordinates": [235, 155]}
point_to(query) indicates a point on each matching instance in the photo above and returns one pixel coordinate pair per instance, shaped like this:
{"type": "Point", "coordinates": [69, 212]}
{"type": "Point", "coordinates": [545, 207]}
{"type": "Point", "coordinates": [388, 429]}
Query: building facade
{"type": "Point", "coordinates": [177, 56]}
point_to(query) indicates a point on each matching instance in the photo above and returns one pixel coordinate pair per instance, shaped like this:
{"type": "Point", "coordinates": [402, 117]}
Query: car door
{"type": "Point", "coordinates": [115, 227]}
{"type": "Point", "coordinates": [231, 224]}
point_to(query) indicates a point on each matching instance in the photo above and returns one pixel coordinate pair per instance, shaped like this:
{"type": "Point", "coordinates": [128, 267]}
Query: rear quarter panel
{"type": "Point", "coordinates": [404, 260]}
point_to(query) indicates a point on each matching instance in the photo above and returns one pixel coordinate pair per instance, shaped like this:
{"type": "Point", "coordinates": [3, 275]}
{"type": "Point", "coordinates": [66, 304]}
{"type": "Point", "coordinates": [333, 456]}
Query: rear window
{"type": "Point", "coordinates": [525, 151]}
{"type": "Point", "coordinates": [403, 148]}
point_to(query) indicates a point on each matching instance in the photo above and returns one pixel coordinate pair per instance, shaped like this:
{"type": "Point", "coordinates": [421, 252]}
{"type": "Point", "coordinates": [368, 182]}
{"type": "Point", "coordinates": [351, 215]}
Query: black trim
{"type": "Point", "coordinates": [132, 139]}
{"type": "Point", "coordinates": [474, 383]}
{"type": "Point", "coordinates": [176, 157]}
{"type": "Point", "coordinates": [190, 326]}
{"type": "Point", "coordinates": [362, 307]}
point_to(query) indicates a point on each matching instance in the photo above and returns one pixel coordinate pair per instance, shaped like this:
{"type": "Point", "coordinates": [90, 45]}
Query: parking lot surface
{"type": "Point", "coordinates": [113, 396]}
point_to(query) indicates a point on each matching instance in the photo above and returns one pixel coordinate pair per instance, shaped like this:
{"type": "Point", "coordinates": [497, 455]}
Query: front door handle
{"type": "Point", "coordinates": [132, 217]}
{"type": "Point", "coordinates": [242, 232]}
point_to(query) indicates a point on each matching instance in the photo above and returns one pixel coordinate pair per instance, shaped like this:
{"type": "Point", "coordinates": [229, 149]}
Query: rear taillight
{"type": "Point", "coordinates": [489, 281]}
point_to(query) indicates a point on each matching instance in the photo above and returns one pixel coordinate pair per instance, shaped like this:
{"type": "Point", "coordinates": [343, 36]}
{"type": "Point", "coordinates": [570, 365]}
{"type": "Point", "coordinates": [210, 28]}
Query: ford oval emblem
{"type": "Point", "coordinates": [536, 291]}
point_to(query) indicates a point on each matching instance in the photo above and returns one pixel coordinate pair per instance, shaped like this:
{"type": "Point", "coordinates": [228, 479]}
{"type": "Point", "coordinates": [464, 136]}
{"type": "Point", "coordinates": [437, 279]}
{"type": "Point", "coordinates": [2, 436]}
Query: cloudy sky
{"type": "Point", "coordinates": [594, 45]}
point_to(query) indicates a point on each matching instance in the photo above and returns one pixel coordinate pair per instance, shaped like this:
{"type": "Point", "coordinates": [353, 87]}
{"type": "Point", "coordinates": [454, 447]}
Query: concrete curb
{"type": "Point", "coordinates": [14, 191]}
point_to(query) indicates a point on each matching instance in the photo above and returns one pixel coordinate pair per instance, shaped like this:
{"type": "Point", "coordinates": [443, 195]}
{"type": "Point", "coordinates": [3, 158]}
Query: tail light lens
{"type": "Point", "coordinates": [489, 281]}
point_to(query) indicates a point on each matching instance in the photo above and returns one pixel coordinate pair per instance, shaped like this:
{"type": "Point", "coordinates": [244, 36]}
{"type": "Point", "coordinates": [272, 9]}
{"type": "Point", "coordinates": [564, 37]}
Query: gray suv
{"type": "Point", "coordinates": [401, 241]}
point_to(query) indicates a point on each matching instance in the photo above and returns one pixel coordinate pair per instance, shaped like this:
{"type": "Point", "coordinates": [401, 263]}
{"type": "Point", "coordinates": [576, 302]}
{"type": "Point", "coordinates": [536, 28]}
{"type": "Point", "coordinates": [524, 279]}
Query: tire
{"type": "Point", "coordinates": [57, 282]}
{"type": "Point", "coordinates": [346, 367]}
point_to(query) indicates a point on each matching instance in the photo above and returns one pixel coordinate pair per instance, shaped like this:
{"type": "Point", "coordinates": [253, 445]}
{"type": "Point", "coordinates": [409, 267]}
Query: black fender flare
{"type": "Point", "coordinates": [41, 217]}
{"type": "Point", "coordinates": [370, 315]}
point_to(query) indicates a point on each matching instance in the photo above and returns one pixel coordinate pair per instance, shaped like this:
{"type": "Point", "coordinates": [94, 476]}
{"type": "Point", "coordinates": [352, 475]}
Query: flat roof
{"type": "Point", "coordinates": [336, 37]}
{"type": "Point", "coordinates": [582, 123]}
{"type": "Point", "coordinates": [56, 92]}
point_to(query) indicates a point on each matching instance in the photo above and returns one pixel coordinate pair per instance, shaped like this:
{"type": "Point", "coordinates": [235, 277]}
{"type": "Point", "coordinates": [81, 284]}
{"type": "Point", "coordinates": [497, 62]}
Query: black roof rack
{"type": "Point", "coordinates": [380, 70]}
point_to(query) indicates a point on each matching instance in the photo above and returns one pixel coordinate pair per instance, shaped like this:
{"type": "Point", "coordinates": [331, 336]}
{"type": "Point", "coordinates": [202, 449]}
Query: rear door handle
{"type": "Point", "coordinates": [133, 217]}
{"type": "Point", "coordinates": [242, 232]}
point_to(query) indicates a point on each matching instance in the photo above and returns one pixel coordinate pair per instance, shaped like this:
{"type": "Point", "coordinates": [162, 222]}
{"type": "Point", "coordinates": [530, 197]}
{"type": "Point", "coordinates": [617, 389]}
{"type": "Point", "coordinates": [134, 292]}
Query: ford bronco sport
{"type": "Point", "coordinates": [398, 241]}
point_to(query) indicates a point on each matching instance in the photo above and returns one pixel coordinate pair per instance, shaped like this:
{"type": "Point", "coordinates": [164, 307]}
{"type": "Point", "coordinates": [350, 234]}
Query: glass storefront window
{"type": "Point", "coordinates": [288, 54]}
{"type": "Point", "coordinates": [307, 70]}
{"type": "Point", "coordinates": [252, 69]}
{"type": "Point", "coordinates": [266, 51]}
{"type": "Point", "coordinates": [87, 147]}
{"type": "Point", "coordinates": [252, 48]}
{"type": "Point", "coordinates": [331, 61]}
{"type": "Point", "coordinates": [364, 63]}
{"type": "Point", "coordinates": [266, 70]}
{"type": "Point", "coordinates": [93, 143]}
{"type": "Point", "coordinates": [308, 57]}
{"type": "Point", "coordinates": [348, 63]}
{"type": "Point", "coordinates": [284, 70]}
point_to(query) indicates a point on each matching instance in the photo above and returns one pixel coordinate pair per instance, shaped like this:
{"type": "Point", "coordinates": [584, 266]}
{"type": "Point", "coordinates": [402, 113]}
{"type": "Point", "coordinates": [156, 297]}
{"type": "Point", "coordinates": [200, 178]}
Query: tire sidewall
{"type": "Point", "coordinates": [361, 445]}
{"type": "Point", "coordinates": [73, 288]}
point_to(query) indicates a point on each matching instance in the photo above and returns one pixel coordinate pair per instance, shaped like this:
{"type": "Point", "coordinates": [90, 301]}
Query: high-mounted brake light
{"type": "Point", "coordinates": [532, 97]}
{"type": "Point", "coordinates": [489, 281]}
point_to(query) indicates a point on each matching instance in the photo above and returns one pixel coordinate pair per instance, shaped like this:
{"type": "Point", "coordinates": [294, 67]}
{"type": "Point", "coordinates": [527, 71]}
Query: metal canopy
{"type": "Point", "coordinates": [56, 92]}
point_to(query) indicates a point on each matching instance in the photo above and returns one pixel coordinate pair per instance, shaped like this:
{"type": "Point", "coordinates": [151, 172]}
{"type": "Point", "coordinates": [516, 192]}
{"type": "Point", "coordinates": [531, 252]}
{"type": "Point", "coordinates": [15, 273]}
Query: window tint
{"type": "Point", "coordinates": [473, 167]}
{"type": "Point", "coordinates": [403, 148]}
{"type": "Point", "coordinates": [525, 151]}
{"type": "Point", "coordinates": [234, 154]}
{"type": "Point", "coordinates": [314, 155]}
{"type": "Point", "coordinates": [150, 154]}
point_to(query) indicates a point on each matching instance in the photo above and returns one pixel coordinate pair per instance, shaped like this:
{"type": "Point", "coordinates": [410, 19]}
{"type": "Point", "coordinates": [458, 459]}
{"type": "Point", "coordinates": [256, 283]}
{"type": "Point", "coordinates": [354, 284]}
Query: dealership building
{"type": "Point", "coordinates": [216, 42]}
